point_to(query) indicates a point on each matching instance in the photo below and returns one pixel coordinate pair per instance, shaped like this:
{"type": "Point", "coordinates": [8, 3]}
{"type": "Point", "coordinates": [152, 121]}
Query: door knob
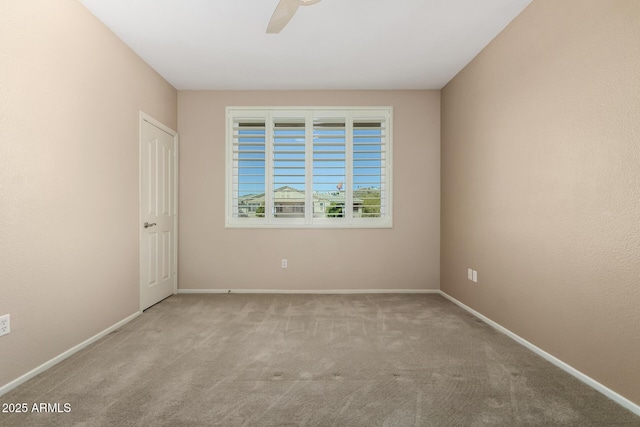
{"type": "Point", "coordinates": [147, 225]}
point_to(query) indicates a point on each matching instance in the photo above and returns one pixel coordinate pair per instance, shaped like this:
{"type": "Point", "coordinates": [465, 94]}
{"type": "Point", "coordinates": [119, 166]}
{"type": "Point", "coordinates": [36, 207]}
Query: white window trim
{"type": "Point", "coordinates": [308, 221]}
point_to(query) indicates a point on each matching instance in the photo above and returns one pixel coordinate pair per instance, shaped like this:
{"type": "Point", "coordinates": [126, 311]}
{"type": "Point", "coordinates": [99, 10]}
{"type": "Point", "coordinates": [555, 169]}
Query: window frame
{"type": "Point", "coordinates": [349, 114]}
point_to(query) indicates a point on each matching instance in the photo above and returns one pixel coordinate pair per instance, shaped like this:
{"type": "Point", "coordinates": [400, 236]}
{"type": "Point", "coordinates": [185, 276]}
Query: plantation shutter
{"type": "Point", "coordinates": [329, 168]}
{"type": "Point", "coordinates": [309, 167]}
{"type": "Point", "coordinates": [370, 162]}
{"type": "Point", "coordinates": [249, 161]}
{"type": "Point", "coordinates": [289, 168]}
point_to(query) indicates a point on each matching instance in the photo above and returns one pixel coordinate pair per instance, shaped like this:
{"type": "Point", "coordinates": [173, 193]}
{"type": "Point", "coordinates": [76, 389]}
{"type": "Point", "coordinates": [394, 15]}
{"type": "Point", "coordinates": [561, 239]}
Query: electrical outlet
{"type": "Point", "coordinates": [5, 326]}
{"type": "Point", "coordinates": [284, 263]}
{"type": "Point", "coordinates": [469, 274]}
{"type": "Point", "coordinates": [475, 276]}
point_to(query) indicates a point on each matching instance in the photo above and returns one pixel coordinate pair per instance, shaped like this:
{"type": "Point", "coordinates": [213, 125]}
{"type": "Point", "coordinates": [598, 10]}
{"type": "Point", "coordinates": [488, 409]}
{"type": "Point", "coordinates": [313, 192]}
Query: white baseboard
{"type": "Point", "coordinates": [621, 400]}
{"type": "Point", "coordinates": [59, 358]}
{"type": "Point", "coordinates": [307, 291]}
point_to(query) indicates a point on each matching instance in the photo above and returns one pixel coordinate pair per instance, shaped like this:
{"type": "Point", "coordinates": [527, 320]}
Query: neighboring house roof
{"type": "Point", "coordinates": [287, 193]}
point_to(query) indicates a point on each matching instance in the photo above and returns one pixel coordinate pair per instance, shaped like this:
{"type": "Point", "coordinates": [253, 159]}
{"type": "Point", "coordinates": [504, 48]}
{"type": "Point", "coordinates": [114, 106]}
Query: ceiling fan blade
{"type": "Point", "coordinates": [282, 15]}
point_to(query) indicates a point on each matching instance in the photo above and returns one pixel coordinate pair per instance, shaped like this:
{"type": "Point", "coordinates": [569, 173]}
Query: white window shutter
{"type": "Point", "coordinates": [309, 167]}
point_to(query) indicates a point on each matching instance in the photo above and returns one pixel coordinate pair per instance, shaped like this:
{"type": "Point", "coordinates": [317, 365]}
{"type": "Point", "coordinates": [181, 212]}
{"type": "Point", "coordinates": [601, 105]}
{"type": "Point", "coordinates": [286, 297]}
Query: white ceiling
{"type": "Point", "coordinates": [335, 44]}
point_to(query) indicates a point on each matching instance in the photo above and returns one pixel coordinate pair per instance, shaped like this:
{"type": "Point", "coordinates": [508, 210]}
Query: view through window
{"type": "Point", "coordinates": [314, 167]}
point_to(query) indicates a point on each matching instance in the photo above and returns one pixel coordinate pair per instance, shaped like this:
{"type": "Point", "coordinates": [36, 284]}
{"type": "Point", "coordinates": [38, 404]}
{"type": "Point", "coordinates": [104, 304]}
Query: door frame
{"type": "Point", "coordinates": [147, 118]}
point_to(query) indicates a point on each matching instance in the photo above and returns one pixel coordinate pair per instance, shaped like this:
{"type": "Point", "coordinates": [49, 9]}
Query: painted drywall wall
{"type": "Point", "coordinates": [70, 95]}
{"type": "Point", "coordinates": [404, 257]}
{"type": "Point", "coordinates": [541, 184]}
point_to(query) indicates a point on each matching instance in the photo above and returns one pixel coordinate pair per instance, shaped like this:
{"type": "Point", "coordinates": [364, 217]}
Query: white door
{"type": "Point", "coordinates": [158, 211]}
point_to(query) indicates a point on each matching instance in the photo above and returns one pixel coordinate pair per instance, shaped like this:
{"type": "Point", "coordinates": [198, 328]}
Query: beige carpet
{"type": "Point", "coordinates": [310, 360]}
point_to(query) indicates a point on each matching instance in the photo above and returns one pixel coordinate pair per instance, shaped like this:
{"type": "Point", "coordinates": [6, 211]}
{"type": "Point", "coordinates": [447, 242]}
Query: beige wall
{"type": "Point", "coordinates": [405, 257]}
{"type": "Point", "coordinates": [541, 184]}
{"type": "Point", "coordinates": [70, 95]}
